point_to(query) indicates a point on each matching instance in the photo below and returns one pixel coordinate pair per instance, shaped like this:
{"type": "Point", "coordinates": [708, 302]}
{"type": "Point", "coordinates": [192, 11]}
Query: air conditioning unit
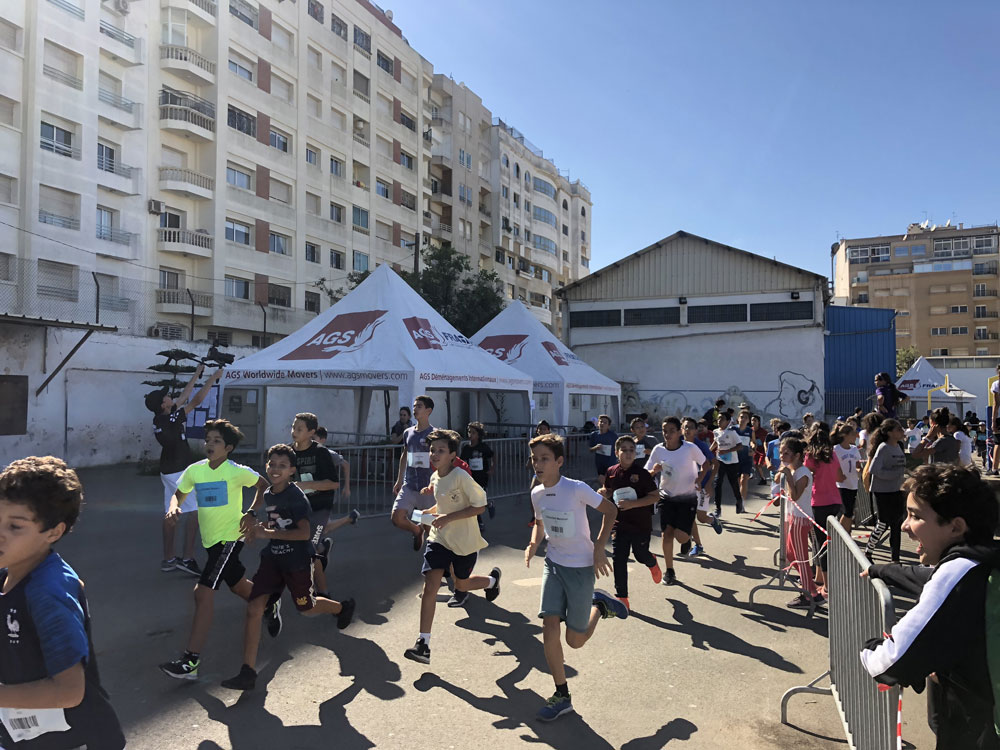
{"type": "Point", "coordinates": [153, 332]}
{"type": "Point", "coordinates": [155, 207]}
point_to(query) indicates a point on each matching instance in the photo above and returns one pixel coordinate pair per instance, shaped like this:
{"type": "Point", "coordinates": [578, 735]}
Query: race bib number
{"type": "Point", "coordinates": [624, 493]}
{"type": "Point", "coordinates": [727, 458]}
{"type": "Point", "coordinates": [211, 494]}
{"type": "Point", "coordinates": [476, 464]}
{"type": "Point", "coordinates": [604, 450]}
{"type": "Point", "coordinates": [640, 450]}
{"type": "Point", "coordinates": [305, 477]}
{"type": "Point", "coordinates": [418, 460]}
{"type": "Point", "coordinates": [745, 439]}
{"type": "Point", "coordinates": [666, 472]}
{"type": "Point", "coordinates": [24, 724]}
{"type": "Point", "coordinates": [558, 523]}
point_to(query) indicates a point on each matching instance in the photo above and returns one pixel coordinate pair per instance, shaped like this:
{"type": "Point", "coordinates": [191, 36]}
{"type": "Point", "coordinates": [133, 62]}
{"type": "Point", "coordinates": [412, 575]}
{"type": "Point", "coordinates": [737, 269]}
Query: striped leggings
{"type": "Point", "coordinates": [797, 532]}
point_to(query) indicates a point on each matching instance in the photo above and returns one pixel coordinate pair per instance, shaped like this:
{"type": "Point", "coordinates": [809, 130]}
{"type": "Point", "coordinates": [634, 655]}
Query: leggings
{"type": "Point", "coordinates": [623, 542]}
{"type": "Point", "coordinates": [891, 511]}
{"type": "Point", "coordinates": [822, 512]}
{"type": "Point", "coordinates": [730, 472]}
{"type": "Point", "coordinates": [797, 550]}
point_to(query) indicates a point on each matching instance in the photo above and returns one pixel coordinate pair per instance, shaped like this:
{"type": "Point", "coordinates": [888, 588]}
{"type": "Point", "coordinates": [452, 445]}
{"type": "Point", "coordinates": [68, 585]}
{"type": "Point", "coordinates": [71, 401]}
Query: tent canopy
{"type": "Point", "coordinates": [922, 377]}
{"type": "Point", "coordinates": [517, 337]}
{"type": "Point", "coordinates": [381, 335]}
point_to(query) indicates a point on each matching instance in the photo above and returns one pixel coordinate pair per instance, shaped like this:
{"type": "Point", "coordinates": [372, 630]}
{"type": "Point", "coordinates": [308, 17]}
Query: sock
{"type": "Point", "coordinates": [670, 570]}
{"type": "Point", "coordinates": [426, 637]}
{"type": "Point", "coordinates": [191, 656]}
{"type": "Point", "coordinates": [562, 690]}
{"type": "Point", "coordinates": [493, 582]}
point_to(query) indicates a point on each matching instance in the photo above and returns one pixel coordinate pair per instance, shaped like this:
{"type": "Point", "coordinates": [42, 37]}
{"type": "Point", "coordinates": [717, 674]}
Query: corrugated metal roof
{"type": "Point", "coordinates": [685, 264]}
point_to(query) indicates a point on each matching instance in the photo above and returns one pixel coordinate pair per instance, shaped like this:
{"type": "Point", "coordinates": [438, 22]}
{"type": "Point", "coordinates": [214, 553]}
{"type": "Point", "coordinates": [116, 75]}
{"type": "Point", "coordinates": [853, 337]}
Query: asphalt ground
{"type": "Point", "coordinates": [695, 665]}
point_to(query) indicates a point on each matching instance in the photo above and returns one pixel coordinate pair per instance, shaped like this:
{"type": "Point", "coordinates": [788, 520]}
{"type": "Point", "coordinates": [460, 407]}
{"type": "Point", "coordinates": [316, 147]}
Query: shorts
{"type": "Point", "coordinates": [410, 499]}
{"type": "Point", "coordinates": [567, 593]}
{"type": "Point", "coordinates": [317, 522]}
{"type": "Point", "coordinates": [704, 500]}
{"type": "Point", "coordinates": [848, 498]}
{"type": "Point", "coordinates": [170, 487]}
{"type": "Point", "coordinates": [439, 557]}
{"type": "Point", "coordinates": [745, 462]}
{"type": "Point", "coordinates": [223, 564]}
{"type": "Point", "coordinates": [678, 512]}
{"type": "Point", "coordinates": [272, 578]}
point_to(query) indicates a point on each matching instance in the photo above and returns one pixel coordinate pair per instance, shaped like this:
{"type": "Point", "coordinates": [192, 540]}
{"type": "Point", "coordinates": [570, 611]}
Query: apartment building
{"type": "Point", "coordinates": [941, 281]}
{"type": "Point", "coordinates": [194, 169]}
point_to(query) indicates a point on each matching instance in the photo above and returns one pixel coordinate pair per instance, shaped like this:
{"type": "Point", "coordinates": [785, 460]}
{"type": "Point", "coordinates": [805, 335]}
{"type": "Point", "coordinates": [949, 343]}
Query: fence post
{"type": "Point", "coordinates": [191, 297]}
{"type": "Point", "coordinates": [97, 299]}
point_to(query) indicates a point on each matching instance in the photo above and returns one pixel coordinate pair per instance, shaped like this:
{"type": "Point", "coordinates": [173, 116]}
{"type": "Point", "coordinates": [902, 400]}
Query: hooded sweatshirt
{"type": "Point", "coordinates": [948, 633]}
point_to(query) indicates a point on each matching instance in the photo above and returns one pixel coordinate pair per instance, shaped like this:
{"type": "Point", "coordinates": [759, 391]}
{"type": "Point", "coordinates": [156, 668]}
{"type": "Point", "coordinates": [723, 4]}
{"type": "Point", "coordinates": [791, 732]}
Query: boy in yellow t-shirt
{"type": "Point", "coordinates": [218, 486]}
{"type": "Point", "coordinates": [454, 540]}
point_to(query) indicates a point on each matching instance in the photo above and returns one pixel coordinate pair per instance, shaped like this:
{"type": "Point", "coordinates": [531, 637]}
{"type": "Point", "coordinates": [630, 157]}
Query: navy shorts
{"type": "Point", "coordinates": [439, 557]}
{"type": "Point", "coordinates": [678, 512]}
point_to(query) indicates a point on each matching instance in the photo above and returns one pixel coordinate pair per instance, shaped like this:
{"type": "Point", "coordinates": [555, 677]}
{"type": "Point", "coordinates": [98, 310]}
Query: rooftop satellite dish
{"type": "Point", "coordinates": [388, 14]}
{"type": "Point", "coordinates": [934, 227]}
{"type": "Point", "coordinates": [947, 223]}
{"type": "Point", "coordinates": [924, 223]}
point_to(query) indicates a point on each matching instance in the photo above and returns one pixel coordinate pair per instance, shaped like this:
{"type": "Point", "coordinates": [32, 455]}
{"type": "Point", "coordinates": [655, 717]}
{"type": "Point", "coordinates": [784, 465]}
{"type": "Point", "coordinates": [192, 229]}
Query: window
{"type": "Point", "coordinates": [312, 252]}
{"type": "Point", "coordinates": [540, 214]}
{"type": "Point", "coordinates": [781, 311]}
{"type": "Point", "coordinates": [277, 243]}
{"type": "Point", "coordinates": [902, 313]}
{"type": "Point", "coordinates": [982, 333]}
{"type": "Point", "coordinates": [314, 107]}
{"type": "Point", "coordinates": [312, 302]}
{"type": "Point", "coordinates": [279, 141]}
{"type": "Point", "coordinates": [316, 11]}
{"type": "Point", "coordinates": [717, 313]}
{"type": "Point", "coordinates": [239, 178]}
{"type": "Point", "coordinates": [361, 83]}
{"type": "Point", "coordinates": [240, 69]}
{"type": "Point", "coordinates": [57, 140]}
{"type": "Point", "coordinates": [982, 352]}
{"type": "Point", "coordinates": [583, 210]}
{"type": "Point", "coordinates": [504, 192]}
{"type": "Point", "coordinates": [652, 316]}
{"type": "Point", "coordinates": [517, 200]}
{"type": "Point", "coordinates": [237, 288]}
{"type": "Point", "coordinates": [279, 296]}
{"type": "Point", "coordinates": [8, 111]}
{"type": "Point", "coordinates": [171, 219]}
{"type": "Point", "coordinates": [359, 217]}
{"type": "Point", "coordinates": [169, 279]}
{"type": "Point", "coordinates": [384, 62]}
{"type": "Point", "coordinates": [107, 160]}
{"type": "Point", "coordinates": [312, 204]}
{"type": "Point", "coordinates": [237, 232]}
{"type": "Point", "coordinates": [583, 236]}
{"type": "Point", "coordinates": [105, 223]}
{"type": "Point", "coordinates": [979, 290]}
{"type": "Point", "coordinates": [360, 261]}
{"type": "Point", "coordinates": [336, 213]}
{"type": "Point", "coordinates": [383, 231]}
{"type": "Point", "coordinates": [527, 205]}
{"type": "Point", "coordinates": [407, 200]}
{"type": "Point", "coordinates": [939, 331]}
{"type": "Point", "coordinates": [406, 121]}
{"type": "Point", "coordinates": [244, 12]}
{"type": "Point", "coordinates": [312, 156]}
{"type": "Point", "coordinates": [282, 38]}
{"type": "Point", "coordinates": [862, 298]}
{"type": "Point", "coordinates": [594, 318]}
{"type": "Point", "coordinates": [504, 160]}
{"type": "Point", "coordinates": [282, 89]}
{"type": "Point", "coordinates": [902, 250]}
{"type": "Point", "coordinates": [242, 121]}
{"type": "Point", "coordinates": [382, 188]}
{"type": "Point", "coordinates": [960, 330]}
{"type": "Point", "coordinates": [939, 352]}
{"type": "Point", "coordinates": [565, 230]}
{"type": "Point", "coordinates": [337, 26]}
{"type": "Point", "coordinates": [517, 170]}
{"type": "Point", "coordinates": [544, 243]}
{"type": "Point", "coordinates": [57, 280]}
{"type": "Point", "coordinates": [543, 186]}
{"type": "Point", "coordinates": [918, 249]}
{"type": "Point", "coordinates": [984, 244]}
{"type": "Point", "coordinates": [8, 36]}
{"type": "Point", "coordinates": [362, 39]}
{"type": "Point", "coordinates": [406, 160]}
{"type": "Point", "coordinates": [527, 235]}
{"type": "Point", "coordinates": [336, 166]}
{"type": "Point", "coordinates": [281, 191]}
{"type": "Point", "coordinates": [959, 308]}
{"type": "Point", "coordinates": [336, 259]}
{"type": "Point", "coordinates": [498, 256]}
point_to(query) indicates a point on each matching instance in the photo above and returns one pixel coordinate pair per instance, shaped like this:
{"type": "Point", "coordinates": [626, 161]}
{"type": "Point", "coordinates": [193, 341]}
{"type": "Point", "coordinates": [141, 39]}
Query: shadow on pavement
{"type": "Point", "coordinates": [778, 619]}
{"type": "Point", "coordinates": [675, 729]}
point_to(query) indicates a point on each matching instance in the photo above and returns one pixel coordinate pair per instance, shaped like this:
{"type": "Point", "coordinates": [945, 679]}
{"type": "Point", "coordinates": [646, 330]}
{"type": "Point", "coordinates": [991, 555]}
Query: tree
{"type": "Point", "coordinates": [905, 359]}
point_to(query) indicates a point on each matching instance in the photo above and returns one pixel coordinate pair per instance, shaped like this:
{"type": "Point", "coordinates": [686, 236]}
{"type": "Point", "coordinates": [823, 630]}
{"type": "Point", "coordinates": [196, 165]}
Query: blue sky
{"type": "Point", "coordinates": [770, 126]}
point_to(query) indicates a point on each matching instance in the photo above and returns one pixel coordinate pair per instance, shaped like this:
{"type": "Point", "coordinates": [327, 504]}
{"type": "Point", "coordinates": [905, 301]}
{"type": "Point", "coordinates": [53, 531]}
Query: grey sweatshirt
{"type": "Point", "coordinates": [887, 468]}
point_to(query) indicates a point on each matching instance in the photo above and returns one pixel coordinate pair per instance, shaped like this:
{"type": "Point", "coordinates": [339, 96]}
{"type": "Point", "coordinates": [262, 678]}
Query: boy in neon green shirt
{"type": "Point", "coordinates": [218, 486]}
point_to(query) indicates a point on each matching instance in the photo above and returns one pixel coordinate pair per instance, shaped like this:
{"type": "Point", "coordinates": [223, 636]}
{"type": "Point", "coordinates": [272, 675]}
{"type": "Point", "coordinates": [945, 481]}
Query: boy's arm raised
{"type": "Point", "coordinates": [186, 393]}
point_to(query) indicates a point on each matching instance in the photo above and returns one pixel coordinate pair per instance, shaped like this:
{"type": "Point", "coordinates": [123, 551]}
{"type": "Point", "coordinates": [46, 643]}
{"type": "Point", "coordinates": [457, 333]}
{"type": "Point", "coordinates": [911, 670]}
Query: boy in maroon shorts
{"type": "Point", "coordinates": [286, 561]}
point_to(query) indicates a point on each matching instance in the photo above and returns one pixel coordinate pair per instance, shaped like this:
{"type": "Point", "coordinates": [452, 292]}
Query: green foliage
{"type": "Point", "coordinates": [160, 383]}
{"type": "Point", "coordinates": [173, 369]}
{"type": "Point", "coordinates": [905, 359]}
{"type": "Point", "coordinates": [177, 354]}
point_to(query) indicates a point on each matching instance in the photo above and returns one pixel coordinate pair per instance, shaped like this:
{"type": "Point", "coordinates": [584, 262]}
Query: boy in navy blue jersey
{"type": "Point", "coordinates": [50, 694]}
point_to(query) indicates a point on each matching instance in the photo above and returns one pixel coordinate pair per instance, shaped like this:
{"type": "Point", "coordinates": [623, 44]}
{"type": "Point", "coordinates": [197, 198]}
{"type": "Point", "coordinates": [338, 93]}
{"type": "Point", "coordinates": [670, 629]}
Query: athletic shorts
{"type": "Point", "coordinates": [567, 593]}
{"type": "Point", "coordinates": [317, 521]}
{"type": "Point", "coordinates": [678, 512]}
{"type": "Point", "coordinates": [848, 498]}
{"type": "Point", "coordinates": [223, 565]}
{"type": "Point", "coordinates": [704, 500]}
{"type": "Point", "coordinates": [410, 499]}
{"type": "Point", "coordinates": [272, 578]}
{"type": "Point", "coordinates": [439, 557]}
{"type": "Point", "coordinates": [170, 487]}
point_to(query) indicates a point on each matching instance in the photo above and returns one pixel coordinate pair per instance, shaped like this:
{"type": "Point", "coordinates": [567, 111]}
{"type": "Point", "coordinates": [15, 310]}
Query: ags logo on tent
{"type": "Point", "coordinates": [423, 335]}
{"type": "Point", "coordinates": [554, 352]}
{"type": "Point", "coordinates": [506, 348]}
{"type": "Point", "coordinates": [347, 332]}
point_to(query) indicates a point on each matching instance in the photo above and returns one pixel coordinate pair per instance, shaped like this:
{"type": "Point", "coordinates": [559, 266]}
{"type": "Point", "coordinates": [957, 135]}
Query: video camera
{"type": "Point", "coordinates": [215, 358]}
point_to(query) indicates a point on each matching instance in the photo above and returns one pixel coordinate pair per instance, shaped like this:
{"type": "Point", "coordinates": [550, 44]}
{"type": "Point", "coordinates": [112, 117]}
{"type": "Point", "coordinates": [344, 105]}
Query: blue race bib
{"type": "Point", "coordinates": [211, 494]}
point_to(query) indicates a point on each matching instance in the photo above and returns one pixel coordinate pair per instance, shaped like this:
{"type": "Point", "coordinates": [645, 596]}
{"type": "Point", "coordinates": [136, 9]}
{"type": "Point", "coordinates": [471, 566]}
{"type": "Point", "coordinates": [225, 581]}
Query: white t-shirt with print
{"type": "Point", "coordinates": [964, 447]}
{"type": "Point", "coordinates": [679, 468]}
{"type": "Point", "coordinates": [913, 436]}
{"type": "Point", "coordinates": [728, 441]}
{"type": "Point", "coordinates": [562, 509]}
{"type": "Point", "coordinates": [849, 458]}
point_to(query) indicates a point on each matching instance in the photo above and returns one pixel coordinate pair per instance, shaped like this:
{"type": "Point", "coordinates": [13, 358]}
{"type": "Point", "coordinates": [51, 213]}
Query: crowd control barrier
{"type": "Point", "coordinates": [860, 609]}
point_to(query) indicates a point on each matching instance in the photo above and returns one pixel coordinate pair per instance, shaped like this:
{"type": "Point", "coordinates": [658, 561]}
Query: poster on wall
{"type": "Point", "coordinates": [206, 410]}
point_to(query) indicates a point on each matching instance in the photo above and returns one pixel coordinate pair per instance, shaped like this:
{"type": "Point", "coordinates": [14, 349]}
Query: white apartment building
{"type": "Point", "coordinates": [192, 169]}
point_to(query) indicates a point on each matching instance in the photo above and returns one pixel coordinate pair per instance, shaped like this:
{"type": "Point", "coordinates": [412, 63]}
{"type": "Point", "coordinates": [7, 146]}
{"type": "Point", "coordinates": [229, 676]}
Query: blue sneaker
{"type": "Point", "coordinates": [696, 549]}
{"type": "Point", "coordinates": [716, 523]}
{"type": "Point", "coordinates": [609, 606]}
{"type": "Point", "coordinates": [555, 707]}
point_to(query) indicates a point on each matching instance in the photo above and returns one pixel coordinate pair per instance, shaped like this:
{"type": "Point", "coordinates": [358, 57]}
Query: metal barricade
{"type": "Point", "coordinates": [860, 609]}
{"type": "Point", "coordinates": [864, 507]}
{"type": "Point", "coordinates": [778, 581]}
{"type": "Point", "coordinates": [373, 471]}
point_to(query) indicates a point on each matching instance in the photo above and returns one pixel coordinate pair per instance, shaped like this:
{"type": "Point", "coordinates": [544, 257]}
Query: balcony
{"type": "Point", "coordinates": [362, 96]}
{"type": "Point", "coordinates": [358, 138]}
{"type": "Point", "coordinates": [116, 177]}
{"type": "Point", "coordinates": [64, 78]}
{"type": "Point", "coordinates": [987, 314]}
{"type": "Point", "coordinates": [180, 301]}
{"type": "Point", "coordinates": [65, 5]}
{"type": "Point", "coordinates": [58, 147]}
{"type": "Point", "coordinates": [114, 234]}
{"type": "Point", "coordinates": [202, 11]}
{"type": "Point", "coordinates": [187, 63]}
{"type": "Point", "coordinates": [58, 220]}
{"type": "Point", "coordinates": [986, 336]}
{"type": "Point", "coordinates": [442, 230]}
{"type": "Point", "coordinates": [364, 52]}
{"type": "Point", "coordinates": [485, 211]}
{"type": "Point", "coordinates": [116, 110]}
{"type": "Point", "coordinates": [245, 12]}
{"type": "Point", "coordinates": [187, 182]}
{"type": "Point", "coordinates": [184, 242]}
{"type": "Point", "coordinates": [985, 269]}
{"type": "Point", "coordinates": [985, 293]}
{"type": "Point", "coordinates": [428, 221]}
{"type": "Point", "coordinates": [189, 115]}
{"type": "Point", "coordinates": [119, 45]}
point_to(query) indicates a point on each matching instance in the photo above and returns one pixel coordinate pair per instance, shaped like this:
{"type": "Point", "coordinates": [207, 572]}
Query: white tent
{"type": "Point", "coordinates": [517, 337]}
{"type": "Point", "coordinates": [923, 377]}
{"type": "Point", "coordinates": [382, 335]}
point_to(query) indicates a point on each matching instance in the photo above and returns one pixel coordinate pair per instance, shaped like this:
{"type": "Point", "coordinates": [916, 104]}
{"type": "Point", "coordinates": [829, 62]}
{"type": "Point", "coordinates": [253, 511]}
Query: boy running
{"type": "Point", "coordinates": [571, 563]}
{"type": "Point", "coordinates": [218, 486]}
{"type": "Point", "coordinates": [286, 561]}
{"type": "Point", "coordinates": [643, 442]}
{"type": "Point", "coordinates": [414, 472]}
{"type": "Point", "coordinates": [479, 458]}
{"type": "Point", "coordinates": [323, 548]}
{"type": "Point", "coordinates": [689, 431]}
{"type": "Point", "coordinates": [50, 693]}
{"type": "Point", "coordinates": [602, 444]}
{"type": "Point", "coordinates": [454, 540]}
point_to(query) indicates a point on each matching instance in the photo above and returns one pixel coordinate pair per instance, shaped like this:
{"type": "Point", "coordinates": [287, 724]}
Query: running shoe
{"type": "Point", "coordinates": [656, 573]}
{"type": "Point", "coordinates": [670, 579]}
{"type": "Point", "coordinates": [686, 548]}
{"type": "Point", "coordinates": [188, 566]}
{"type": "Point", "coordinates": [491, 509]}
{"type": "Point", "coordinates": [420, 652]}
{"type": "Point", "coordinates": [555, 707]}
{"type": "Point", "coordinates": [354, 515]}
{"type": "Point", "coordinates": [167, 565]}
{"type": "Point", "coordinates": [245, 680]}
{"type": "Point", "coordinates": [494, 591]}
{"type": "Point", "coordinates": [273, 617]}
{"type": "Point", "coordinates": [346, 614]}
{"type": "Point", "coordinates": [741, 508]}
{"type": "Point", "coordinates": [323, 551]}
{"type": "Point", "coordinates": [624, 600]}
{"type": "Point", "coordinates": [458, 599]}
{"type": "Point", "coordinates": [185, 668]}
{"type": "Point", "coordinates": [800, 602]}
{"type": "Point", "coordinates": [716, 523]}
{"type": "Point", "coordinates": [608, 606]}
{"type": "Point", "coordinates": [696, 549]}
{"type": "Point", "coordinates": [819, 600]}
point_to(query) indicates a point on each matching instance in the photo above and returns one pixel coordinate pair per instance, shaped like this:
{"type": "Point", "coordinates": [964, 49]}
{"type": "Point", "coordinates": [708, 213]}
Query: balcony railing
{"type": "Point", "coordinates": [187, 114]}
{"type": "Point", "coordinates": [57, 147]}
{"type": "Point", "coordinates": [185, 237]}
{"type": "Point", "coordinates": [107, 164]}
{"type": "Point", "coordinates": [57, 75]}
{"type": "Point", "coordinates": [989, 270]}
{"type": "Point", "coordinates": [119, 35]}
{"type": "Point", "coordinates": [116, 100]}
{"type": "Point", "coordinates": [114, 234]}
{"type": "Point", "coordinates": [986, 336]}
{"type": "Point", "coordinates": [985, 293]}
{"type": "Point", "coordinates": [365, 53]}
{"type": "Point", "coordinates": [361, 139]}
{"type": "Point", "coordinates": [362, 96]}
{"type": "Point", "coordinates": [987, 314]}
{"type": "Point", "coordinates": [245, 12]}
{"type": "Point", "coordinates": [208, 6]}
{"type": "Point", "coordinates": [178, 174]}
{"type": "Point", "coordinates": [180, 297]}
{"type": "Point", "coordinates": [186, 54]}
{"type": "Point", "coordinates": [69, 8]}
{"type": "Point", "coordinates": [56, 220]}
{"type": "Point", "coordinates": [360, 230]}
{"type": "Point", "coordinates": [485, 211]}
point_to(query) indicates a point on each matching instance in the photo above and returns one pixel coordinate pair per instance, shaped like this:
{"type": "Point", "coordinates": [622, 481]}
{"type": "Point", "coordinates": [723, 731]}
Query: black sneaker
{"type": "Point", "coordinates": [346, 614]}
{"type": "Point", "coordinates": [323, 551]}
{"type": "Point", "coordinates": [458, 599]}
{"type": "Point", "coordinates": [167, 565]}
{"type": "Point", "coordinates": [273, 617]}
{"type": "Point", "coordinates": [245, 680]}
{"type": "Point", "coordinates": [491, 509]}
{"type": "Point", "coordinates": [354, 515]}
{"type": "Point", "coordinates": [686, 548]}
{"type": "Point", "coordinates": [185, 668]}
{"type": "Point", "coordinates": [188, 566]}
{"type": "Point", "coordinates": [420, 652]}
{"type": "Point", "coordinates": [670, 578]}
{"type": "Point", "coordinates": [494, 591]}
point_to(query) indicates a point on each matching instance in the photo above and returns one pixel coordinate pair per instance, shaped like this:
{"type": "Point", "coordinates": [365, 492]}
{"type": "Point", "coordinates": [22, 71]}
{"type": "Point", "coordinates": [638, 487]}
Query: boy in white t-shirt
{"type": "Point", "coordinates": [725, 447]}
{"type": "Point", "coordinates": [846, 450]}
{"type": "Point", "coordinates": [572, 562]}
{"type": "Point", "coordinates": [913, 434]}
